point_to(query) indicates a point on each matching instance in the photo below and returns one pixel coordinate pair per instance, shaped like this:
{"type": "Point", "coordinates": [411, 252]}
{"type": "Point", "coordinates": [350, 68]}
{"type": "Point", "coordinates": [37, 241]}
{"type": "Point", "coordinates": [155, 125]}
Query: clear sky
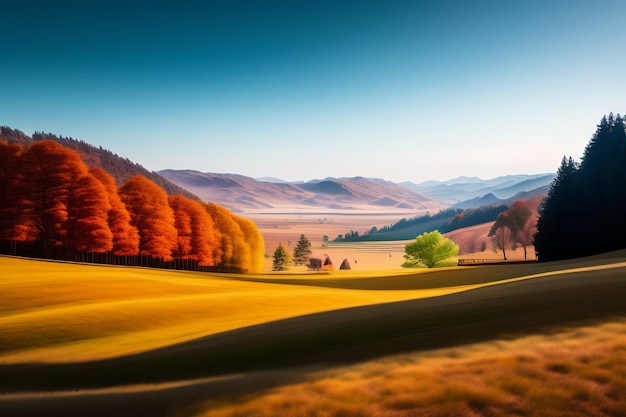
{"type": "Point", "coordinates": [300, 89]}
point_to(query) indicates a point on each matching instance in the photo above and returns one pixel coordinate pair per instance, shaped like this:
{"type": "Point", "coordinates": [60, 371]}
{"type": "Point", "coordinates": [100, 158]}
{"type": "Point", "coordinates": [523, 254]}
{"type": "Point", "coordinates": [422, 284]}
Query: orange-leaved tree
{"type": "Point", "coordinates": [255, 241]}
{"type": "Point", "coordinates": [87, 227]}
{"type": "Point", "coordinates": [198, 238]}
{"type": "Point", "coordinates": [50, 171]}
{"type": "Point", "coordinates": [151, 214]}
{"type": "Point", "coordinates": [125, 235]}
{"type": "Point", "coordinates": [236, 254]}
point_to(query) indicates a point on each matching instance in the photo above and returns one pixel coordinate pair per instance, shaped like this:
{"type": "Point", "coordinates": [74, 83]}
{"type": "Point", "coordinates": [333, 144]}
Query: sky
{"type": "Point", "coordinates": [298, 90]}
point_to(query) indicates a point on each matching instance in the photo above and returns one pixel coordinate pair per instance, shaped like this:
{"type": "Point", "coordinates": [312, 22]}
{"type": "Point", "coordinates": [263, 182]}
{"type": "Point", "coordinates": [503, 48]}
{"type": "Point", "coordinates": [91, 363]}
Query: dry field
{"type": "Point", "coordinates": [286, 227]}
{"type": "Point", "coordinates": [534, 339]}
{"type": "Point", "coordinates": [278, 226]}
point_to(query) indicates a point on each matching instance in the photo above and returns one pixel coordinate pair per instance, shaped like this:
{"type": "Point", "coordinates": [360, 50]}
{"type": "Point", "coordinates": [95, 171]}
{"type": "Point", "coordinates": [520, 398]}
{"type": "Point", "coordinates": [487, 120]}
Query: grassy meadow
{"type": "Point", "coordinates": [490, 340]}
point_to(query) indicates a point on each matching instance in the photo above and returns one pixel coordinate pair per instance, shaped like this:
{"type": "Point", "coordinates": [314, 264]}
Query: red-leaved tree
{"type": "Point", "coordinates": [87, 227]}
{"type": "Point", "coordinates": [125, 235]}
{"type": "Point", "coordinates": [14, 225]}
{"type": "Point", "coordinates": [151, 214]}
{"type": "Point", "coordinates": [50, 171]}
{"type": "Point", "coordinates": [197, 235]}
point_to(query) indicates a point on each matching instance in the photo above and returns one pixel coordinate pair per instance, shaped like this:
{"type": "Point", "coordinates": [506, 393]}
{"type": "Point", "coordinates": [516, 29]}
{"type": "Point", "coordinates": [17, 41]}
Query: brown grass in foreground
{"type": "Point", "coordinates": [579, 372]}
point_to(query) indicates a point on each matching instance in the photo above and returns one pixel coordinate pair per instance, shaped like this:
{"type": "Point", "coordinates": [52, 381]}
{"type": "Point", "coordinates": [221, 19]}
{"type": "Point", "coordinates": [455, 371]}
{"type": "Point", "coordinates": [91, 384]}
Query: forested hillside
{"type": "Point", "coordinates": [584, 211]}
{"type": "Point", "coordinates": [52, 205]}
{"type": "Point", "coordinates": [444, 221]}
{"type": "Point", "coordinates": [120, 168]}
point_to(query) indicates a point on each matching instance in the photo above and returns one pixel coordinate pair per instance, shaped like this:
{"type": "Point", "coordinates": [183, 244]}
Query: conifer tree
{"type": "Point", "coordinates": [584, 211]}
{"type": "Point", "coordinates": [556, 227]}
{"type": "Point", "coordinates": [281, 259]}
{"type": "Point", "coordinates": [302, 251]}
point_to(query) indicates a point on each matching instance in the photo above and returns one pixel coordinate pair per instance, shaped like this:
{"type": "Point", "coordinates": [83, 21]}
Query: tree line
{"type": "Point", "coordinates": [52, 205]}
{"type": "Point", "coordinates": [584, 211]}
{"type": "Point", "coordinates": [444, 221]}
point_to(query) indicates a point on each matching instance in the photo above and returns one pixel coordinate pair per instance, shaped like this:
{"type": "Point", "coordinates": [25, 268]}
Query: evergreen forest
{"type": "Point", "coordinates": [584, 212]}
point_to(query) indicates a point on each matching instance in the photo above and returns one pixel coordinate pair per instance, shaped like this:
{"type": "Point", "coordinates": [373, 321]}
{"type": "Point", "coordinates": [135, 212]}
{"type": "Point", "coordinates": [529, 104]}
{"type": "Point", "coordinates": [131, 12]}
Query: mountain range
{"type": "Point", "coordinates": [244, 194]}
{"type": "Point", "coordinates": [459, 191]}
{"type": "Point", "coordinates": [241, 193]}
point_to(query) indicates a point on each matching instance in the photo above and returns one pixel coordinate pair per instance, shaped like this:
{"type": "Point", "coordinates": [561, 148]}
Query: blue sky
{"type": "Point", "coordinates": [400, 90]}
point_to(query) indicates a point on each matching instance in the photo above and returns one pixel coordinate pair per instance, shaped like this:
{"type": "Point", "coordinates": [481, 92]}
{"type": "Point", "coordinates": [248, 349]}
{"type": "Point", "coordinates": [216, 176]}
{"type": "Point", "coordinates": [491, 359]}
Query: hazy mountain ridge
{"type": "Point", "coordinates": [238, 192]}
{"type": "Point", "coordinates": [462, 189]}
{"type": "Point", "coordinates": [241, 193]}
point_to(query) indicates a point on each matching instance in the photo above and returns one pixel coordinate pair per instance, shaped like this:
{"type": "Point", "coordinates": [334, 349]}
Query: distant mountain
{"type": "Point", "coordinates": [490, 199]}
{"type": "Point", "coordinates": [241, 193]}
{"type": "Point", "coordinates": [120, 168]}
{"type": "Point", "coordinates": [272, 179]}
{"type": "Point", "coordinates": [462, 189]}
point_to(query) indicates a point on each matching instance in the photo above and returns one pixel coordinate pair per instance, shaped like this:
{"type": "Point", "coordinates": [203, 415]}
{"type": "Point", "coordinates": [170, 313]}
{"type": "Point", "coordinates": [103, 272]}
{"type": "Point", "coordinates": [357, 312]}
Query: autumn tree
{"type": "Point", "coordinates": [524, 216]}
{"type": "Point", "coordinates": [235, 254]}
{"type": "Point", "coordinates": [125, 236]}
{"type": "Point", "coordinates": [254, 238]}
{"type": "Point", "coordinates": [13, 226]}
{"type": "Point", "coordinates": [428, 249]}
{"type": "Point", "coordinates": [198, 237]}
{"type": "Point", "coordinates": [520, 223]}
{"type": "Point", "coordinates": [502, 238]}
{"type": "Point", "coordinates": [87, 227]}
{"type": "Point", "coordinates": [302, 251]}
{"type": "Point", "coordinates": [281, 259]}
{"type": "Point", "coordinates": [151, 214]}
{"type": "Point", "coordinates": [50, 171]}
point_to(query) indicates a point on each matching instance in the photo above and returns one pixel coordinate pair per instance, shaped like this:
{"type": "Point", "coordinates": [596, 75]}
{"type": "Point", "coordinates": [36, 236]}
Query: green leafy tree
{"type": "Point", "coordinates": [428, 249]}
{"type": "Point", "coordinates": [302, 251]}
{"type": "Point", "coordinates": [281, 260]}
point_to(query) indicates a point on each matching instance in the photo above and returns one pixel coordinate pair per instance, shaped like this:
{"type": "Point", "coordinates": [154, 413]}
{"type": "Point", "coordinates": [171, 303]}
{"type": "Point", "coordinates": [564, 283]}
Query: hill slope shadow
{"type": "Point", "coordinates": [353, 334]}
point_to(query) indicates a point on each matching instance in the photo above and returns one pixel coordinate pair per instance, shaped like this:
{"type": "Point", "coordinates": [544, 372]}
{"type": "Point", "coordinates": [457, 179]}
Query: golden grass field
{"type": "Point", "coordinates": [286, 227]}
{"type": "Point", "coordinates": [531, 339]}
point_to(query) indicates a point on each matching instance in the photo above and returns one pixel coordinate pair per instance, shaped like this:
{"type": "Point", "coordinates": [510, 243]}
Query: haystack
{"type": "Point", "coordinates": [345, 264]}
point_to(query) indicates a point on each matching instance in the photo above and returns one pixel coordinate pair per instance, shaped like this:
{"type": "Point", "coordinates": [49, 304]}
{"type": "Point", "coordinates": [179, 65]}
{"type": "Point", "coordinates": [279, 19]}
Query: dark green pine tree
{"type": "Point", "coordinates": [281, 259]}
{"type": "Point", "coordinates": [603, 199]}
{"type": "Point", "coordinates": [556, 236]}
{"type": "Point", "coordinates": [584, 211]}
{"type": "Point", "coordinates": [302, 251]}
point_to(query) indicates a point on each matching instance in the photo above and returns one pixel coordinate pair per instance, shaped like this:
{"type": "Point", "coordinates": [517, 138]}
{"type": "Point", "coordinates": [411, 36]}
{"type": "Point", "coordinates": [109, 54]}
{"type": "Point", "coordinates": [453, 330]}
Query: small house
{"type": "Point", "coordinates": [320, 262]}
